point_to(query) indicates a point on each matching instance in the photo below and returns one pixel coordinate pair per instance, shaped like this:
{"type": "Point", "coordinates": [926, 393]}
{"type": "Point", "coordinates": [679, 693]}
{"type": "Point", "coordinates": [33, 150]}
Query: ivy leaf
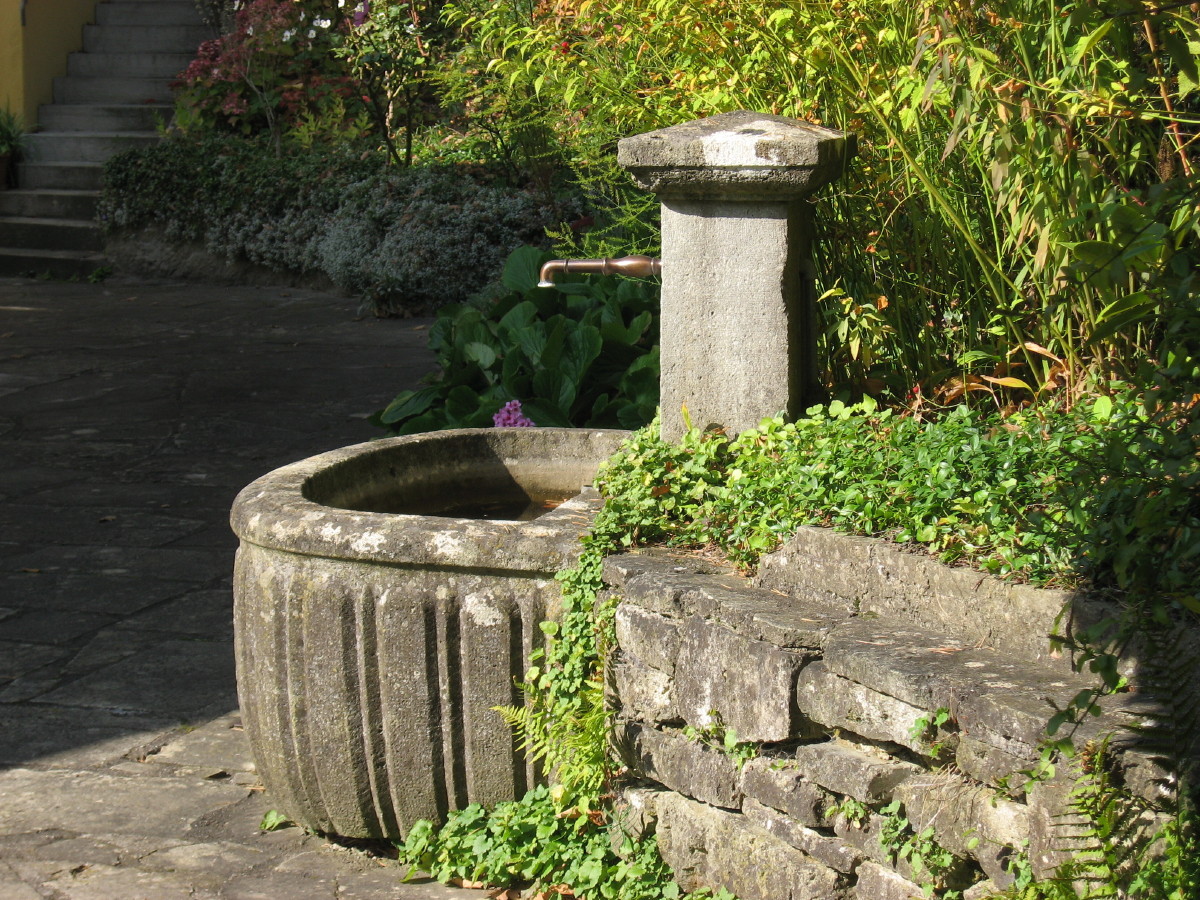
{"type": "Point", "coordinates": [274, 820]}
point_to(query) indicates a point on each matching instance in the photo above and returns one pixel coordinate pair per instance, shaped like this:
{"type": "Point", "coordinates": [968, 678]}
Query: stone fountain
{"type": "Point", "coordinates": [379, 620]}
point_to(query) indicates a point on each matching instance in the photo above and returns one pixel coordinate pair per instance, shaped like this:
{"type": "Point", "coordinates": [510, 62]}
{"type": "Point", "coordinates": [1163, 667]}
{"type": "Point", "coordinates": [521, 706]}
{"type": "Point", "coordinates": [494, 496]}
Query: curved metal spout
{"type": "Point", "coordinates": [636, 266]}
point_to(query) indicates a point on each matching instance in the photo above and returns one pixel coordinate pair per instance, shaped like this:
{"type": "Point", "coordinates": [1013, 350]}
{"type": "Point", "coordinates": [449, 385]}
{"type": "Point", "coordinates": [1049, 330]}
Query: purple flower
{"type": "Point", "coordinates": [510, 416]}
{"type": "Point", "coordinates": [362, 12]}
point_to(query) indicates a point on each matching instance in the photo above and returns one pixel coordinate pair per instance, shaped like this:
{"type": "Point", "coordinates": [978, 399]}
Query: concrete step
{"type": "Point", "coordinates": [61, 176]}
{"type": "Point", "coordinates": [106, 117]}
{"type": "Point", "coordinates": [84, 146]}
{"type": "Point", "coordinates": [148, 12]}
{"type": "Point", "coordinates": [70, 89]}
{"type": "Point", "coordinates": [144, 38]}
{"type": "Point", "coordinates": [54, 263]}
{"type": "Point", "coordinates": [20, 232]}
{"type": "Point", "coordinates": [49, 204]}
{"type": "Point", "coordinates": [127, 65]}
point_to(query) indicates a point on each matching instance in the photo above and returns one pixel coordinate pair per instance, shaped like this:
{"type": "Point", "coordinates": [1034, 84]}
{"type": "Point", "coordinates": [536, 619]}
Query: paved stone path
{"type": "Point", "coordinates": [131, 413]}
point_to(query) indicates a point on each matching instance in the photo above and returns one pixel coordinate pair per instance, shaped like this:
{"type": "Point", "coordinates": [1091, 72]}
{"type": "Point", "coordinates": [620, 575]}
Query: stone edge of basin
{"type": "Point", "coordinates": [272, 512]}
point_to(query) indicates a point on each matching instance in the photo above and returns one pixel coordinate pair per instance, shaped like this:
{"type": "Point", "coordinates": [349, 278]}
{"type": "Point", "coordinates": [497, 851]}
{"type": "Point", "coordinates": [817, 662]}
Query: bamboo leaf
{"type": "Point", "coordinates": [1086, 44]}
{"type": "Point", "coordinates": [1007, 381]}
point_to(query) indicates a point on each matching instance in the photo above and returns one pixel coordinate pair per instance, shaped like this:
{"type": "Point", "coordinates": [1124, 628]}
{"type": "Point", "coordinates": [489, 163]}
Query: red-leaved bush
{"type": "Point", "coordinates": [276, 72]}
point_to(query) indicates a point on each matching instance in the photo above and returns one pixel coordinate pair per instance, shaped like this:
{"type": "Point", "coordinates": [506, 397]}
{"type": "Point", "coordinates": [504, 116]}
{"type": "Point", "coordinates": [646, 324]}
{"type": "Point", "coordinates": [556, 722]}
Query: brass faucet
{"type": "Point", "coordinates": [634, 266]}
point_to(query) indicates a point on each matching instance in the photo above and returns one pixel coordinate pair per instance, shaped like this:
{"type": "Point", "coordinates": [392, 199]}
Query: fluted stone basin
{"type": "Point", "coordinates": [378, 622]}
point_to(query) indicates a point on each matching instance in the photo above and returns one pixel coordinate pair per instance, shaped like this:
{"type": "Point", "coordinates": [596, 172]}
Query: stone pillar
{"type": "Point", "coordinates": [738, 328]}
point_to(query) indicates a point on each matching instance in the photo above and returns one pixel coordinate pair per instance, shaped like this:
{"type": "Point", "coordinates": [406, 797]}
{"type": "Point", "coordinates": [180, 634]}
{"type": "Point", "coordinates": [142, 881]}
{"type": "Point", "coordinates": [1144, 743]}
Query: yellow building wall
{"type": "Point", "coordinates": [53, 29]}
{"type": "Point", "coordinates": [12, 64]}
{"type": "Point", "coordinates": [33, 54]}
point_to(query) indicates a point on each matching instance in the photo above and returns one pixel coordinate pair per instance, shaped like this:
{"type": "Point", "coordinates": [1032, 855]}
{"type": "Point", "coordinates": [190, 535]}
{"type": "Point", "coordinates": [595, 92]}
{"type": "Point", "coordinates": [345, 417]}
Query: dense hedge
{"type": "Point", "coordinates": [406, 239]}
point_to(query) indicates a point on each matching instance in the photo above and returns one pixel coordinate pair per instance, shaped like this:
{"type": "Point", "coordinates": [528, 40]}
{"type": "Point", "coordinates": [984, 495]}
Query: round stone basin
{"type": "Point", "coordinates": [386, 598]}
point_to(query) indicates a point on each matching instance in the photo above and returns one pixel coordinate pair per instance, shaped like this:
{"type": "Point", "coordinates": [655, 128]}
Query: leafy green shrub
{"type": "Point", "coordinates": [12, 134]}
{"type": "Point", "coordinates": [389, 52]}
{"type": "Point", "coordinates": [1144, 529]}
{"type": "Point", "coordinates": [581, 354]}
{"type": "Point", "coordinates": [406, 239]}
{"type": "Point", "coordinates": [274, 72]}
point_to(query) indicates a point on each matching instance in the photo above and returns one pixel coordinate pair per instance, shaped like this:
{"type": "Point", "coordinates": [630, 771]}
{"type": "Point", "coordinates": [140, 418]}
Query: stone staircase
{"type": "Point", "coordinates": [113, 98]}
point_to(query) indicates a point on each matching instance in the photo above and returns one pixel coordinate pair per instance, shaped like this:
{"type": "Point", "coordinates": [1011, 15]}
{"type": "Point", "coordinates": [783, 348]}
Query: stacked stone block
{"type": "Point", "coordinates": [841, 687]}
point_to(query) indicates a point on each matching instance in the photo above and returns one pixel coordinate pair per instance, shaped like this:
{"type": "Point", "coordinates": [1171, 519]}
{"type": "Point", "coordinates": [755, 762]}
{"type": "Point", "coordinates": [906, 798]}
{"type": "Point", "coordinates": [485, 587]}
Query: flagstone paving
{"type": "Point", "coordinates": [131, 413]}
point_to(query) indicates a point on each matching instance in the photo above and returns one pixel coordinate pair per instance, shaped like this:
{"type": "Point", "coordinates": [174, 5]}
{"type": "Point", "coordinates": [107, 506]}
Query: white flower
{"type": "Point", "coordinates": [341, 4]}
{"type": "Point", "coordinates": [312, 33]}
{"type": "Point", "coordinates": [322, 23]}
{"type": "Point", "coordinates": [249, 29]}
{"type": "Point", "coordinates": [289, 34]}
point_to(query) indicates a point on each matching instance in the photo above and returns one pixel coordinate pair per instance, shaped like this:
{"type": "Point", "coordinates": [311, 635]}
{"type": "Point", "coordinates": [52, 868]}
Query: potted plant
{"type": "Point", "coordinates": [12, 137]}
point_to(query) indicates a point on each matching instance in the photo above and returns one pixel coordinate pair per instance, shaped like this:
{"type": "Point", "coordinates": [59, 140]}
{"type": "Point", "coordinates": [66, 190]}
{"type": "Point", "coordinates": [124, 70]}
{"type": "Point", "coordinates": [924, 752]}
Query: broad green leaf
{"type": "Point", "coordinates": [556, 335]}
{"type": "Point", "coordinates": [532, 341]}
{"type": "Point", "coordinates": [408, 404]}
{"type": "Point", "coordinates": [480, 353]}
{"type": "Point", "coordinates": [1121, 314]}
{"type": "Point", "coordinates": [273, 820]}
{"type": "Point", "coordinates": [582, 347]}
{"type": "Point", "coordinates": [1139, 302]}
{"type": "Point", "coordinates": [557, 387]}
{"type": "Point", "coordinates": [976, 356]}
{"type": "Point", "coordinates": [430, 421]}
{"type": "Point", "coordinates": [519, 316]}
{"type": "Point", "coordinates": [461, 404]}
{"type": "Point", "coordinates": [545, 414]}
{"type": "Point", "coordinates": [521, 269]}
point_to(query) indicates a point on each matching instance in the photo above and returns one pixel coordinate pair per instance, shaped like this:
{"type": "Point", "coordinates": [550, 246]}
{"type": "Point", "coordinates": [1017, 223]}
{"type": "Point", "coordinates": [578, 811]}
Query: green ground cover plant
{"type": "Point", "coordinates": [531, 841]}
{"type": "Point", "coordinates": [971, 485]}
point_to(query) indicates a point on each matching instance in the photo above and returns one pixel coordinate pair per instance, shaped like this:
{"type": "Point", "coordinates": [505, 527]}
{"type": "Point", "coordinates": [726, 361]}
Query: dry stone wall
{"type": "Point", "coordinates": [837, 661]}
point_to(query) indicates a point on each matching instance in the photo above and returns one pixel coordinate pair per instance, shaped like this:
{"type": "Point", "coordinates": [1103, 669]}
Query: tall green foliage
{"type": "Point", "coordinates": [1023, 206]}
